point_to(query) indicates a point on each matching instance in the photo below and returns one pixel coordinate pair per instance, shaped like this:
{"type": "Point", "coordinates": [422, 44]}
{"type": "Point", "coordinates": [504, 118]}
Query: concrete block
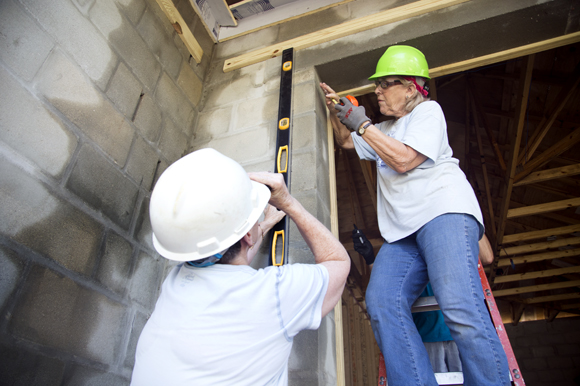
{"type": "Point", "coordinates": [560, 362]}
{"type": "Point", "coordinates": [115, 263]}
{"type": "Point", "coordinates": [255, 111]}
{"type": "Point", "coordinates": [103, 186]}
{"type": "Point", "coordinates": [142, 163]}
{"type": "Point", "coordinates": [21, 367]}
{"type": "Point", "coordinates": [223, 93]}
{"type": "Point", "coordinates": [213, 124]}
{"type": "Point", "coordinates": [244, 147]}
{"type": "Point", "coordinates": [535, 363]}
{"type": "Point", "coordinates": [304, 354]}
{"type": "Point", "coordinates": [125, 91]}
{"type": "Point", "coordinates": [173, 142]}
{"type": "Point", "coordinates": [302, 177]}
{"type": "Point", "coordinates": [80, 375]}
{"type": "Point", "coordinates": [124, 38]}
{"type": "Point", "coordinates": [50, 312]}
{"type": "Point", "coordinates": [65, 86]}
{"type": "Point", "coordinates": [304, 131]}
{"type": "Point", "coordinates": [171, 100]}
{"type": "Point", "coordinates": [160, 42]}
{"type": "Point", "coordinates": [240, 45]}
{"type": "Point", "coordinates": [11, 268]}
{"type": "Point", "coordinates": [132, 9]}
{"type": "Point", "coordinates": [568, 350]}
{"type": "Point", "coordinates": [77, 36]}
{"type": "Point", "coordinates": [83, 5]}
{"type": "Point", "coordinates": [145, 280]}
{"type": "Point", "coordinates": [34, 217]}
{"type": "Point", "coordinates": [190, 84]}
{"type": "Point", "coordinates": [143, 231]}
{"type": "Point", "coordinates": [148, 118]}
{"type": "Point", "coordinates": [138, 324]}
{"type": "Point", "coordinates": [304, 98]}
{"type": "Point", "coordinates": [29, 128]}
{"type": "Point", "coordinates": [23, 46]}
{"type": "Point", "coordinates": [553, 375]}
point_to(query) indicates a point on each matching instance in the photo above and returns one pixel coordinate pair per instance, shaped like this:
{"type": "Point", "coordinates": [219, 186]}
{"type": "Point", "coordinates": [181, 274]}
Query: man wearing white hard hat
{"type": "Point", "coordinates": [219, 321]}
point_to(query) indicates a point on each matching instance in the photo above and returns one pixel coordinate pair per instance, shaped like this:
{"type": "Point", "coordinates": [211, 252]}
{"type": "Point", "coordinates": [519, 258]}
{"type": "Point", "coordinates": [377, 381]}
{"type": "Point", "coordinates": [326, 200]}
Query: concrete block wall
{"type": "Point", "coordinates": [98, 98]}
{"type": "Point", "coordinates": [548, 353]}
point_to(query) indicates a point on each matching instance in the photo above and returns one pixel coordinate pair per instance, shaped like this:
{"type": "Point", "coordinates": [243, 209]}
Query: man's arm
{"type": "Point", "coordinates": [327, 250]}
{"type": "Point", "coordinates": [485, 251]}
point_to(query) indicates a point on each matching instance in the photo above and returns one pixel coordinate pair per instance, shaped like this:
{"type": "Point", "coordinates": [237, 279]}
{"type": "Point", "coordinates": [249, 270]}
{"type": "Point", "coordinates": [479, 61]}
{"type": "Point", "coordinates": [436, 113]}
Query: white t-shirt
{"type": "Point", "coordinates": [228, 324]}
{"type": "Point", "coordinates": [407, 201]}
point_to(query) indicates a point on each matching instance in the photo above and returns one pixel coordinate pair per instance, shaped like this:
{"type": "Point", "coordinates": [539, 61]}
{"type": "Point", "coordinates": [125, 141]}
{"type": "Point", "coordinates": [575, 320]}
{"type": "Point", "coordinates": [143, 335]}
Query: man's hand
{"type": "Point", "coordinates": [280, 198]}
{"type": "Point", "coordinates": [350, 115]}
{"type": "Point", "coordinates": [272, 216]}
{"type": "Point", "coordinates": [363, 246]}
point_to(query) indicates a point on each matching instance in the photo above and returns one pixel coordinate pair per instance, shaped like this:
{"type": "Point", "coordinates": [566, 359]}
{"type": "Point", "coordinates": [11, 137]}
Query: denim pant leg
{"type": "Point", "coordinates": [449, 245]}
{"type": "Point", "coordinates": [398, 277]}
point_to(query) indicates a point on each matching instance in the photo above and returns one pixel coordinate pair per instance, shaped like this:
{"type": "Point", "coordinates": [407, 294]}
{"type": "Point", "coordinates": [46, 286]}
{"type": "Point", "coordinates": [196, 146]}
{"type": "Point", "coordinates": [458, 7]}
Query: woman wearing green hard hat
{"type": "Point", "coordinates": [431, 222]}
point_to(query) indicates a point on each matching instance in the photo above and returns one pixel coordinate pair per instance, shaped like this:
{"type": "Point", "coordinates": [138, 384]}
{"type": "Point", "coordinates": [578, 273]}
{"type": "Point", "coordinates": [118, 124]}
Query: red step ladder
{"type": "Point", "coordinates": [430, 304]}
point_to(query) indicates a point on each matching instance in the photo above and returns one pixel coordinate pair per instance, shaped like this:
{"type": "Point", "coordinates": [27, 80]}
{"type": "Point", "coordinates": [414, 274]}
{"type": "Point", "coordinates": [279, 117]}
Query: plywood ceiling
{"type": "Point", "coordinates": [515, 127]}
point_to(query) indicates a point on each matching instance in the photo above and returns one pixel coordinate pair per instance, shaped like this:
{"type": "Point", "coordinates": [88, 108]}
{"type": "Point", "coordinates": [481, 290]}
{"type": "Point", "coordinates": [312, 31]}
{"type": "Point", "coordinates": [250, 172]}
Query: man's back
{"type": "Point", "coordinates": [228, 324]}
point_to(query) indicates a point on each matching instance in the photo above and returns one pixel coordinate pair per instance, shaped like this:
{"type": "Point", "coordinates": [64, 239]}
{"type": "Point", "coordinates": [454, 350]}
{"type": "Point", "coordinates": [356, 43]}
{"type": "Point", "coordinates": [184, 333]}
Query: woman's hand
{"type": "Point", "coordinates": [331, 97]}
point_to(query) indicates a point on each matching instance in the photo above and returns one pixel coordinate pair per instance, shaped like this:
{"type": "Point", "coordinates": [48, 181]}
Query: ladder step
{"type": "Point", "coordinates": [424, 304]}
{"type": "Point", "coordinates": [449, 378]}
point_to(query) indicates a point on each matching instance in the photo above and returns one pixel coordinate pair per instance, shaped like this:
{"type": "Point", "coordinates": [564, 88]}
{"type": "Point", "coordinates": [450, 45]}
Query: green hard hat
{"type": "Point", "coordinates": [403, 61]}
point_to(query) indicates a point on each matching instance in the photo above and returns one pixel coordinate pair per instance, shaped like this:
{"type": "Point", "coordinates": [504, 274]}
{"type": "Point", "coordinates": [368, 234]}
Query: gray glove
{"type": "Point", "coordinates": [350, 115]}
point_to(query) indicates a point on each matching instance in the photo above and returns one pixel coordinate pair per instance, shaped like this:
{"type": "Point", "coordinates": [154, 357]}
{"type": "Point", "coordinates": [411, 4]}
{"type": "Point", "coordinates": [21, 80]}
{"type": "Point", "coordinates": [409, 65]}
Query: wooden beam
{"type": "Point", "coordinates": [181, 28]}
{"type": "Point", "coordinates": [506, 262]}
{"type": "Point", "coordinates": [517, 313]}
{"type": "Point", "coordinates": [351, 27]}
{"type": "Point", "coordinates": [543, 208]}
{"type": "Point", "coordinates": [536, 288]}
{"type": "Point", "coordinates": [550, 174]}
{"type": "Point", "coordinates": [573, 306]}
{"type": "Point", "coordinates": [539, 246]}
{"type": "Point", "coordinates": [542, 234]}
{"type": "Point", "coordinates": [563, 145]}
{"type": "Point", "coordinates": [552, 298]}
{"type": "Point", "coordinates": [546, 124]}
{"type": "Point", "coordinates": [537, 274]}
{"type": "Point", "coordinates": [485, 60]}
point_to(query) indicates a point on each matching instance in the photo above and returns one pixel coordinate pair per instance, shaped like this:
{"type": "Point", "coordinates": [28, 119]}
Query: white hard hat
{"type": "Point", "coordinates": [202, 204]}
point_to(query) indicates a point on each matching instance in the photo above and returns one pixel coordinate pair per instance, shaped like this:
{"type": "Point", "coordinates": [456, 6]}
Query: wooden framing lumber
{"type": "Point", "coordinates": [542, 234]}
{"type": "Point", "coordinates": [543, 208]}
{"type": "Point", "coordinates": [552, 298]}
{"type": "Point", "coordinates": [181, 28]}
{"type": "Point", "coordinates": [517, 313]}
{"type": "Point", "coordinates": [554, 151]}
{"type": "Point", "coordinates": [369, 181]}
{"type": "Point", "coordinates": [539, 246]}
{"type": "Point", "coordinates": [536, 288]}
{"type": "Point", "coordinates": [351, 27]}
{"type": "Point", "coordinates": [572, 306]}
{"type": "Point", "coordinates": [537, 274]}
{"type": "Point", "coordinates": [506, 262]}
{"type": "Point", "coordinates": [550, 174]}
{"type": "Point", "coordinates": [485, 60]}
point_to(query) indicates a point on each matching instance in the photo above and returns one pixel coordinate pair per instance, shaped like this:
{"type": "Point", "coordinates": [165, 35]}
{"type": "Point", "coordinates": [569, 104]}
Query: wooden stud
{"type": "Point", "coordinates": [542, 234]}
{"type": "Point", "coordinates": [506, 262]}
{"type": "Point", "coordinates": [550, 174]}
{"type": "Point", "coordinates": [539, 246]}
{"type": "Point", "coordinates": [552, 298]}
{"type": "Point", "coordinates": [537, 274]}
{"type": "Point", "coordinates": [351, 27]}
{"type": "Point", "coordinates": [536, 288]}
{"type": "Point", "coordinates": [517, 314]}
{"type": "Point", "coordinates": [179, 24]}
{"type": "Point", "coordinates": [543, 208]}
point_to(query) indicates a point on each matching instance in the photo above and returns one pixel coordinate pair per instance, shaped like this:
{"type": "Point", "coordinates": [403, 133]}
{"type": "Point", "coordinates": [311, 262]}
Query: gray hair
{"type": "Point", "coordinates": [417, 97]}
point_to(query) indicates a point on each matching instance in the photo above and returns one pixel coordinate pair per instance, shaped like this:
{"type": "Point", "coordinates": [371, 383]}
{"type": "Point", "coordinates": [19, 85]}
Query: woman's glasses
{"type": "Point", "coordinates": [385, 84]}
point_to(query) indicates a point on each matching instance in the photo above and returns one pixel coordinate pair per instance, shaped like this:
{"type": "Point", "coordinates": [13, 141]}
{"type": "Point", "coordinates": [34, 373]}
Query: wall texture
{"type": "Point", "coordinates": [98, 97]}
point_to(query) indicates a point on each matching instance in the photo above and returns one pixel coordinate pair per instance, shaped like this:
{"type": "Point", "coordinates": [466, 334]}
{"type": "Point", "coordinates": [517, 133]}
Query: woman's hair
{"type": "Point", "coordinates": [416, 99]}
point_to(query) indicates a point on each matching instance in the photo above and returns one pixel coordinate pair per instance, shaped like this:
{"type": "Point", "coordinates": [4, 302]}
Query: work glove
{"type": "Point", "coordinates": [363, 246]}
{"type": "Point", "coordinates": [350, 115]}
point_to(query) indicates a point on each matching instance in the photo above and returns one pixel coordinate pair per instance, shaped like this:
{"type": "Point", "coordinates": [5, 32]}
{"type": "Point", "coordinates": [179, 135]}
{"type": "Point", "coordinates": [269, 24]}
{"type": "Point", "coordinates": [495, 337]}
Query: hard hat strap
{"type": "Point", "coordinates": [210, 260]}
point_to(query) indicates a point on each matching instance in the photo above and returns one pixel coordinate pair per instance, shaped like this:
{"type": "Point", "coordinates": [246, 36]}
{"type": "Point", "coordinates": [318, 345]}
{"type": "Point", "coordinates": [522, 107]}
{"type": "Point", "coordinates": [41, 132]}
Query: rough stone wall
{"type": "Point", "coordinates": [548, 353]}
{"type": "Point", "coordinates": [98, 97]}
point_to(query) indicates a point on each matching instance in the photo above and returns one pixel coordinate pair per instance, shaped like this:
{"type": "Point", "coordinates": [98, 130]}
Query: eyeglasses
{"type": "Point", "coordinates": [385, 84]}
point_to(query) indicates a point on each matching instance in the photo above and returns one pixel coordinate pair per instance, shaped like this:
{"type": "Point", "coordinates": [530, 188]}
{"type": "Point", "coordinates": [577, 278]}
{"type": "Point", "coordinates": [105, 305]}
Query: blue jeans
{"type": "Point", "coordinates": [445, 252]}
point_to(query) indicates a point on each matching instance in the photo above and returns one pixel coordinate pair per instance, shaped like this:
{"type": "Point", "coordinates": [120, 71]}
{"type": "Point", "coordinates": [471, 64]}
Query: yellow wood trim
{"type": "Point", "coordinates": [182, 29]}
{"type": "Point", "coordinates": [541, 234]}
{"type": "Point", "coordinates": [534, 288]}
{"type": "Point", "coordinates": [338, 31]}
{"type": "Point", "coordinates": [536, 274]}
{"type": "Point", "coordinates": [538, 257]}
{"type": "Point", "coordinates": [550, 174]}
{"type": "Point", "coordinates": [483, 60]}
{"type": "Point", "coordinates": [543, 208]}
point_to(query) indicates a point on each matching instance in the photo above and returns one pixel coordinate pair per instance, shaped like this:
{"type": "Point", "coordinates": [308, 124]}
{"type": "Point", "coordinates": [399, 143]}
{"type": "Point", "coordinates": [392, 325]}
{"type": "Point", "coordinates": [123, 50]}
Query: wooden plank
{"type": "Point", "coordinates": [550, 174]}
{"type": "Point", "coordinates": [545, 125]}
{"type": "Point", "coordinates": [182, 29]}
{"type": "Point", "coordinates": [570, 306]}
{"type": "Point", "coordinates": [338, 318]}
{"type": "Point", "coordinates": [536, 288]}
{"type": "Point", "coordinates": [539, 246]}
{"type": "Point", "coordinates": [552, 298]}
{"type": "Point", "coordinates": [542, 234]}
{"type": "Point", "coordinates": [484, 60]}
{"type": "Point", "coordinates": [351, 27]}
{"type": "Point", "coordinates": [506, 262]}
{"type": "Point", "coordinates": [563, 145]}
{"type": "Point", "coordinates": [543, 208]}
{"type": "Point", "coordinates": [537, 274]}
